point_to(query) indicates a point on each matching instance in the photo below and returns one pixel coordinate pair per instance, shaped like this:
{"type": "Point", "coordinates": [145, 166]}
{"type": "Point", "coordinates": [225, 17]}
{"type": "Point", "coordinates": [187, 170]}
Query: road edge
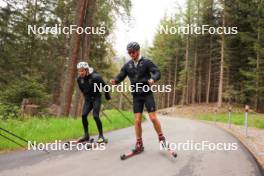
{"type": "Point", "coordinates": [253, 153]}
{"type": "Point", "coordinates": [258, 160]}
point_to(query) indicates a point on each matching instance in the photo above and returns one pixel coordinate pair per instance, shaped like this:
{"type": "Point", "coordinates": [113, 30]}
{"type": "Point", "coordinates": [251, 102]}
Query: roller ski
{"type": "Point", "coordinates": [85, 141]}
{"type": "Point", "coordinates": [137, 150]}
{"type": "Point", "coordinates": [166, 146]}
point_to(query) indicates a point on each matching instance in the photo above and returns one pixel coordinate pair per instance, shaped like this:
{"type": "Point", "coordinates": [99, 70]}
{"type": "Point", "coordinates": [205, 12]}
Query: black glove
{"type": "Point", "coordinates": [107, 96]}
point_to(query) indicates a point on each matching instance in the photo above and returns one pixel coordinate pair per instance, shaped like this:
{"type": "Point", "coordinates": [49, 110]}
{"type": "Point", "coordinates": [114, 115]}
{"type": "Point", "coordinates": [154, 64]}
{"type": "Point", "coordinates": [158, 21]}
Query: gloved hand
{"type": "Point", "coordinates": [107, 96]}
{"type": "Point", "coordinates": [113, 82]}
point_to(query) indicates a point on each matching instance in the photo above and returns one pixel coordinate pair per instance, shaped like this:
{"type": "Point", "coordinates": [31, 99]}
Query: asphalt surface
{"type": "Point", "coordinates": [152, 161]}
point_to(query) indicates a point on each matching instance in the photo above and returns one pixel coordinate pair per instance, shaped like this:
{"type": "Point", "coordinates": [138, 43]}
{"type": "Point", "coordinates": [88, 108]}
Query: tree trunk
{"type": "Point", "coordinates": [73, 61]}
{"type": "Point", "coordinates": [257, 62]}
{"type": "Point", "coordinates": [86, 48]}
{"type": "Point", "coordinates": [221, 75]}
{"type": "Point", "coordinates": [74, 109]}
{"type": "Point", "coordinates": [80, 105]}
{"type": "Point", "coordinates": [76, 102]}
{"type": "Point", "coordinates": [66, 49]}
{"type": "Point", "coordinates": [199, 85]}
{"type": "Point", "coordinates": [194, 74]}
{"type": "Point", "coordinates": [210, 56]}
{"type": "Point", "coordinates": [91, 8]}
{"type": "Point", "coordinates": [163, 97]}
{"type": "Point", "coordinates": [185, 86]}
{"type": "Point", "coordinates": [175, 80]}
{"type": "Point", "coordinates": [169, 82]}
{"type": "Point", "coordinates": [209, 72]}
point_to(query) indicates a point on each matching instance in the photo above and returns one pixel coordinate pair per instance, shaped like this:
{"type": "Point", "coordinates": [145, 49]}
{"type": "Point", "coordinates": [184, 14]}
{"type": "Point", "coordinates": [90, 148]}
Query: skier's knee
{"type": "Point", "coordinates": [153, 118]}
{"type": "Point", "coordinates": [84, 116]}
{"type": "Point", "coordinates": [96, 117]}
{"type": "Point", "coordinates": [137, 121]}
{"type": "Point", "coordinates": [95, 114]}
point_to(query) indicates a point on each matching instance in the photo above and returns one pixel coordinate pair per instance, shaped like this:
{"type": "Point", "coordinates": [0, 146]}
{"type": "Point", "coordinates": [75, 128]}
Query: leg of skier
{"type": "Point", "coordinates": [96, 111]}
{"type": "Point", "coordinates": [138, 129]}
{"type": "Point", "coordinates": [87, 107]}
{"type": "Point", "coordinates": [151, 108]}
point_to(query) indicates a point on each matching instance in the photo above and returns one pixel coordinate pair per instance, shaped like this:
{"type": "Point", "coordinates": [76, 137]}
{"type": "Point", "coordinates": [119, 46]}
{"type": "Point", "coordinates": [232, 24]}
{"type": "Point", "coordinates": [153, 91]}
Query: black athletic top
{"type": "Point", "coordinates": [141, 73]}
{"type": "Point", "coordinates": [87, 85]}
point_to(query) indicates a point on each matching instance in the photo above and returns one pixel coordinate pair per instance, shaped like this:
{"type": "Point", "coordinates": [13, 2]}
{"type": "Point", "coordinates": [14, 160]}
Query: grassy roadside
{"type": "Point", "coordinates": [206, 112]}
{"type": "Point", "coordinates": [254, 120]}
{"type": "Point", "coordinates": [49, 129]}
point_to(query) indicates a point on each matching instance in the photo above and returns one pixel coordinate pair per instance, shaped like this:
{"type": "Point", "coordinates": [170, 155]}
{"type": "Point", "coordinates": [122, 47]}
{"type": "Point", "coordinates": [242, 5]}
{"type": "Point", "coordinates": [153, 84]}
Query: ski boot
{"type": "Point", "coordinates": [139, 146]}
{"type": "Point", "coordinates": [101, 139]}
{"type": "Point", "coordinates": [137, 150]}
{"type": "Point", "coordinates": [166, 146]}
{"type": "Point", "coordinates": [85, 138]}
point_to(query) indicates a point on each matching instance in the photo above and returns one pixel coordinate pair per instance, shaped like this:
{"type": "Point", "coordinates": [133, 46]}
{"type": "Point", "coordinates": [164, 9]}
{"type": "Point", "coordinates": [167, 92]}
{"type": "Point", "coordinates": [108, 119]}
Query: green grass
{"type": "Point", "coordinates": [49, 129]}
{"type": "Point", "coordinates": [254, 120]}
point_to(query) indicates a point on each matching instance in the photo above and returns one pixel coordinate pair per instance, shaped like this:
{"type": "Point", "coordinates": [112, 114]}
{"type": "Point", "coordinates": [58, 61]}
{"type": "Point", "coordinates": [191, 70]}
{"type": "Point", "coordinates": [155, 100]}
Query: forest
{"type": "Point", "coordinates": [213, 68]}
{"type": "Point", "coordinates": [202, 68]}
{"type": "Point", "coordinates": [41, 68]}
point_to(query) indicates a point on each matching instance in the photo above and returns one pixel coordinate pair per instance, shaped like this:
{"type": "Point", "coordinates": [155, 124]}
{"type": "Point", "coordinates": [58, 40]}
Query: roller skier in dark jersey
{"type": "Point", "coordinates": [86, 82]}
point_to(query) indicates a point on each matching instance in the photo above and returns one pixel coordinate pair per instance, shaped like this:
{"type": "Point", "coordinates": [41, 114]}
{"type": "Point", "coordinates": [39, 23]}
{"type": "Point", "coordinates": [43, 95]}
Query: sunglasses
{"type": "Point", "coordinates": [131, 52]}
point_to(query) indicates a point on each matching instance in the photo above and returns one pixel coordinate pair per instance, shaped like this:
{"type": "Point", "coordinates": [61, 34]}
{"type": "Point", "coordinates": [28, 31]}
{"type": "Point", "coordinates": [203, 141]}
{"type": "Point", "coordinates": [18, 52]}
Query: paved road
{"type": "Point", "coordinates": [151, 162]}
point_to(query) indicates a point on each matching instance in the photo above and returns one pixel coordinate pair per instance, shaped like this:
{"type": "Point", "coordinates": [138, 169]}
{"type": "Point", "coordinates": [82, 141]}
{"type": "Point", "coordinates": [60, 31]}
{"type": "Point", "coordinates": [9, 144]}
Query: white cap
{"type": "Point", "coordinates": [84, 65]}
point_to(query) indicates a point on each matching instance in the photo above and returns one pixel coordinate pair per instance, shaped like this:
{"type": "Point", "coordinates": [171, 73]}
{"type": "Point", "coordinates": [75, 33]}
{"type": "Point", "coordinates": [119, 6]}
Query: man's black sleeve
{"type": "Point", "coordinates": [154, 70]}
{"type": "Point", "coordinates": [79, 85]}
{"type": "Point", "coordinates": [99, 80]}
{"type": "Point", "coordinates": [122, 75]}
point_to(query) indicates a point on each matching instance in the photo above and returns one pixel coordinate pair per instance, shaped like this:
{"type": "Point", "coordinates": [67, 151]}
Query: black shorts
{"type": "Point", "coordinates": [140, 100]}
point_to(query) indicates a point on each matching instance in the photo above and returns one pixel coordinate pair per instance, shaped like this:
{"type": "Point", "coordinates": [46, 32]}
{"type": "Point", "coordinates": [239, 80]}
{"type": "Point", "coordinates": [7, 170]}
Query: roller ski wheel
{"type": "Point", "coordinates": [78, 141]}
{"type": "Point", "coordinates": [167, 148]}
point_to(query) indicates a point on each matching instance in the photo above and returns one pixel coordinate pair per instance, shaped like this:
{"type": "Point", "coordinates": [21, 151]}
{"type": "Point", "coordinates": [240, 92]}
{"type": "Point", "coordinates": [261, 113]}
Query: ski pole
{"type": "Point", "coordinates": [105, 114]}
{"type": "Point", "coordinates": [13, 134]}
{"type": "Point", "coordinates": [121, 113]}
{"type": "Point", "coordinates": [11, 140]}
{"type": "Point", "coordinates": [126, 97]}
{"type": "Point", "coordinates": [16, 137]}
{"type": "Point", "coordinates": [109, 120]}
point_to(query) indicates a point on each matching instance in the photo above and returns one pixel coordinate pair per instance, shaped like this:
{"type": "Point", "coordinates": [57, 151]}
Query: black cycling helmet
{"type": "Point", "coordinates": [133, 46]}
